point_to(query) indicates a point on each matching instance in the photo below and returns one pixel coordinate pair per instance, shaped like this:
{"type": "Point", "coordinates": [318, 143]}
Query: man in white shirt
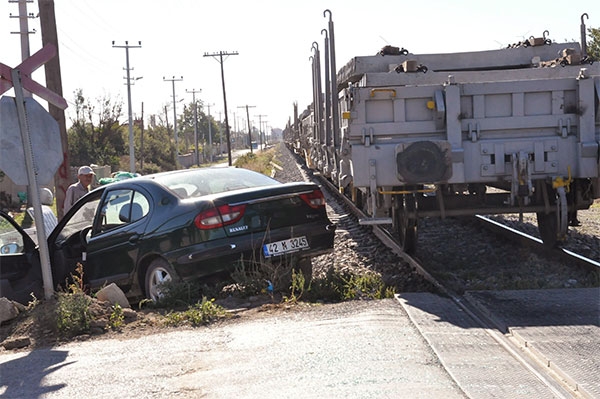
{"type": "Point", "coordinates": [85, 176]}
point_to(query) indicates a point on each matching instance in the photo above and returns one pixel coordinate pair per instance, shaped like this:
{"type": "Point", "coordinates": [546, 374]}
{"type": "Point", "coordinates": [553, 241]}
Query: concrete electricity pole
{"type": "Point", "coordinates": [127, 46]}
{"type": "Point", "coordinates": [173, 80]}
{"type": "Point", "coordinates": [24, 31]}
{"type": "Point", "coordinates": [194, 91]}
{"type": "Point", "coordinates": [249, 128]}
{"type": "Point", "coordinates": [220, 55]}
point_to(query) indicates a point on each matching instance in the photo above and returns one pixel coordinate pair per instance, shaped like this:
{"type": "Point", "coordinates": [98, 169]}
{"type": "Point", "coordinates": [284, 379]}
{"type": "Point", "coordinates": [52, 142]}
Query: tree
{"type": "Point", "coordinates": [593, 47]}
{"type": "Point", "coordinates": [96, 136]}
{"type": "Point", "coordinates": [159, 150]}
{"type": "Point", "coordinates": [185, 125]}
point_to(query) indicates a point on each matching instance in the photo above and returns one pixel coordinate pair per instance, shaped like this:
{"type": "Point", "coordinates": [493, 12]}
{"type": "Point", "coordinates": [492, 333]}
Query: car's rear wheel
{"type": "Point", "coordinates": [159, 272]}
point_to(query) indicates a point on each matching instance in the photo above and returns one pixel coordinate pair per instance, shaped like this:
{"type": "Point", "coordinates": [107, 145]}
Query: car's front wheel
{"type": "Point", "coordinates": [158, 274]}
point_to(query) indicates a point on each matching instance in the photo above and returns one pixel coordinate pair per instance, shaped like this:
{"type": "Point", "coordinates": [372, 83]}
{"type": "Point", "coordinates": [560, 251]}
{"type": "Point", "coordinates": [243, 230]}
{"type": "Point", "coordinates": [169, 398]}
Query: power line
{"type": "Point", "coordinates": [220, 55]}
{"type": "Point", "coordinates": [127, 46]}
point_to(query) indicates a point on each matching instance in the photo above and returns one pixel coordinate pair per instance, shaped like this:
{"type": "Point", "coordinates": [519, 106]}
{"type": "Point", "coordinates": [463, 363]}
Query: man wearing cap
{"type": "Point", "coordinates": [85, 175]}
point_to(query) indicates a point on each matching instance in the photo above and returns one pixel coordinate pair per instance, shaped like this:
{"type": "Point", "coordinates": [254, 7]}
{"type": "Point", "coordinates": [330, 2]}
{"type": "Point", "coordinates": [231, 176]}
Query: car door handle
{"type": "Point", "coordinates": [134, 239]}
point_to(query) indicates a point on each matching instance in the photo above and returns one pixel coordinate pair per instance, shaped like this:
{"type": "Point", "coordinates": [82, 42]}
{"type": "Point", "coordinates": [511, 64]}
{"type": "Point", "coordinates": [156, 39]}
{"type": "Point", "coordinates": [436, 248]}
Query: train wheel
{"type": "Point", "coordinates": [406, 224]}
{"type": "Point", "coordinates": [553, 226]}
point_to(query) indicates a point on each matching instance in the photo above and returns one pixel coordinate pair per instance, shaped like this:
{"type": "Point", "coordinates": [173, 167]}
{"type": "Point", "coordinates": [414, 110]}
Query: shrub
{"type": "Point", "coordinates": [199, 314]}
{"type": "Point", "coordinates": [73, 314]}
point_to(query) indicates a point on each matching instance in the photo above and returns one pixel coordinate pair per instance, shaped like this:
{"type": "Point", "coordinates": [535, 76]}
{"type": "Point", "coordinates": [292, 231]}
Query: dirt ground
{"type": "Point", "coordinates": [36, 328]}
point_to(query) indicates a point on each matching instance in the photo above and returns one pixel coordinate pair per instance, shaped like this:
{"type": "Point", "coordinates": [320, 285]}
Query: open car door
{"type": "Point", "coordinates": [20, 271]}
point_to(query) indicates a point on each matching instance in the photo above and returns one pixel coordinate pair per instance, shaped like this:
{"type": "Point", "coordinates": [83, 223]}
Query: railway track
{"type": "Point", "coordinates": [561, 384]}
{"type": "Point", "coordinates": [565, 255]}
{"type": "Point", "coordinates": [451, 249]}
{"type": "Point", "coordinates": [459, 254]}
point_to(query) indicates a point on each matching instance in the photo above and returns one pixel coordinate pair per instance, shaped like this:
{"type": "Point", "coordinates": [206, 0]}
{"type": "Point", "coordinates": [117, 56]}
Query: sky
{"type": "Point", "coordinates": [273, 40]}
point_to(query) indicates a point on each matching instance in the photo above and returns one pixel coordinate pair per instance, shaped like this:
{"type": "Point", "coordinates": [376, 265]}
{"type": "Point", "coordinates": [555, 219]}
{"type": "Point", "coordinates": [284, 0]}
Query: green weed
{"type": "Point", "coordinates": [73, 314]}
{"type": "Point", "coordinates": [201, 313]}
{"type": "Point", "coordinates": [338, 285]}
{"type": "Point", "coordinates": [116, 319]}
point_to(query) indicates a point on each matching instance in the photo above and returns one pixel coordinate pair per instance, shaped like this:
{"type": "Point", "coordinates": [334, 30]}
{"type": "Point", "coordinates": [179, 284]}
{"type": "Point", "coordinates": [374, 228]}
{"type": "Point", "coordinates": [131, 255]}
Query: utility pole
{"type": "Point", "coordinates": [62, 179]}
{"type": "Point", "coordinates": [24, 31]}
{"type": "Point", "coordinates": [194, 91]}
{"type": "Point", "coordinates": [173, 80]}
{"type": "Point", "coordinates": [142, 138]}
{"type": "Point", "coordinates": [221, 136]}
{"type": "Point", "coordinates": [209, 133]}
{"type": "Point", "coordinates": [265, 134]}
{"type": "Point", "coordinates": [260, 129]}
{"type": "Point", "coordinates": [249, 128]}
{"type": "Point", "coordinates": [127, 46]}
{"type": "Point", "coordinates": [220, 54]}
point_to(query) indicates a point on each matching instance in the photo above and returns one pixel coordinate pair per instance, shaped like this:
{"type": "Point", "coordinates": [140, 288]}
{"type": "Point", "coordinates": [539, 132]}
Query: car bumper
{"type": "Point", "coordinates": [224, 254]}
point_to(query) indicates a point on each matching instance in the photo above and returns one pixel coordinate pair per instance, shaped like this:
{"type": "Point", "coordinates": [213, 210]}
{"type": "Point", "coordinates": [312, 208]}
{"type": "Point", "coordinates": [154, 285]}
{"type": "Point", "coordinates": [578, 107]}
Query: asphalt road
{"type": "Point", "coordinates": [348, 350]}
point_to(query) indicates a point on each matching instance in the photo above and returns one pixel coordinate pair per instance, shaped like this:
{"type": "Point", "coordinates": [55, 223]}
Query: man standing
{"type": "Point", "coordinates": [50, 221]}
{"type": "Point", "coordinates": [85, 176]}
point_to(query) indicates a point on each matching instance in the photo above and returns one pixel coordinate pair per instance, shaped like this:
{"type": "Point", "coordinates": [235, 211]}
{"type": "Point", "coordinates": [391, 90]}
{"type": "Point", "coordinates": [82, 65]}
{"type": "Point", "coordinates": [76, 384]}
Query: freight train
{"type": "Point", "coordinates": [407, 136]}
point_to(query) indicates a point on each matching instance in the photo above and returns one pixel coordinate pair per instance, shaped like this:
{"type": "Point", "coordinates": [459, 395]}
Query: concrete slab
{"type": "Point", "coordinates": [479, 363]}
{"type": "Point", "coordinates": [560, 327]}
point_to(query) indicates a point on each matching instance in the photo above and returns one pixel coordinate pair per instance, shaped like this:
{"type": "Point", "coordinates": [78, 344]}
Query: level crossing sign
{"type": "Point", "coordinates": [45, 141]}
{"type": "Point", "coordinates": [41, 152]}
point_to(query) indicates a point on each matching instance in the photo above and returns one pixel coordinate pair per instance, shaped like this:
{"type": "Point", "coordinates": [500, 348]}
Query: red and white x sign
{"type": "Point", "coordinates": [26, 68]}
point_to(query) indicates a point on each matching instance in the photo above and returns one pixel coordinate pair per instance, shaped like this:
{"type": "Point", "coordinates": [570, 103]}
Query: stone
{"type": "Point", "coordinates": [113, 294]}
{"type": "Point", "coordinates": [8, 310]}
{"type": "Point", "coordinates": [16, 343]}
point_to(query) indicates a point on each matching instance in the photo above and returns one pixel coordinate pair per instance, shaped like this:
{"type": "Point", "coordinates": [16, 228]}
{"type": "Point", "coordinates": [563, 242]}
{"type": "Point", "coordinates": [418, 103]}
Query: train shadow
{"type": "Point", "coordinates": [507, 310]}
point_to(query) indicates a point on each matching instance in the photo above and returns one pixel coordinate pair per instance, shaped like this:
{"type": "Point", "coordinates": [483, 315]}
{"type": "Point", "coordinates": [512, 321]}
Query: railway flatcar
{"type": "Point", "coordinates": [407, 136]}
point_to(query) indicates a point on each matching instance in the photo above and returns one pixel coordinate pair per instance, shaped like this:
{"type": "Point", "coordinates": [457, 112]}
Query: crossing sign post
{"type": "Point", "coordinates": [19, 114]}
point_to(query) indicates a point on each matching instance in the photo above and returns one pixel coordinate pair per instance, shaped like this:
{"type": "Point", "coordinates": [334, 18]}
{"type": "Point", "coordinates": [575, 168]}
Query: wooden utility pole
{"type": "Point", "coordinates": [62, 179]}
{"type": "Point", "coordinates": [220, 55]}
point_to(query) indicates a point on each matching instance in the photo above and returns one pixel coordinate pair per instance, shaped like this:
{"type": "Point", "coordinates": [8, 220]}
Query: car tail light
{"type": "Point", "coordinates": [219, 217]}
{"type": "Point", "coordinates": [314, 199]}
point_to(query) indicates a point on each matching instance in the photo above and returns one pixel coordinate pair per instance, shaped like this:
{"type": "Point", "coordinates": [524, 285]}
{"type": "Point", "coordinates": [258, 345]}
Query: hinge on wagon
{"type": "Point", "coordinates": [521, 185]}
{"type": "Point", "coordinates": [564, 131]}
{"type": "Point", "coordinates": [367, 140]}
{"type": "Point", "coordinates": [473, 132]}
{"type": "Point", "coordinates": [373, 220]}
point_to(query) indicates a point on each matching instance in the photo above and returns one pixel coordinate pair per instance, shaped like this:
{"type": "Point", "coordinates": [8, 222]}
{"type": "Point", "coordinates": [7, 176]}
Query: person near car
{"type": "Point", "coordinates": [85, 176]}
{"type": "Point", "coordinates": [50, 221]}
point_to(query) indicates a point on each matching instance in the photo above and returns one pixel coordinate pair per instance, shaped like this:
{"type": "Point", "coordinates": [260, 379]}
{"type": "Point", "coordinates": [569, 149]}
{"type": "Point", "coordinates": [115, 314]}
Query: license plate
{"type": "Point", "coordinates": [285, 246]}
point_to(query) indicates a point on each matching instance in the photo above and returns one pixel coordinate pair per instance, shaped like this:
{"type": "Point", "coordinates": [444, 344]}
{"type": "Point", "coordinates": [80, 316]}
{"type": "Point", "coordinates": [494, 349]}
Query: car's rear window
{"type": "Point", "coordinates": [205, 181]}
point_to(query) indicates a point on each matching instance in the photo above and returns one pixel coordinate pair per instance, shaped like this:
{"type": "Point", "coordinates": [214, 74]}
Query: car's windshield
{"type": "Point", "coordinates": [82, 218]}
{"type": "Point", "coordinates": [212, 181]}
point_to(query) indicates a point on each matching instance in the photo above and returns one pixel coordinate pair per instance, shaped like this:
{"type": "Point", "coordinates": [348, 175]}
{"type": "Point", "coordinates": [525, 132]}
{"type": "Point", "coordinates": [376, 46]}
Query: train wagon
{"type": "Point", "coordinates": [513, 130]}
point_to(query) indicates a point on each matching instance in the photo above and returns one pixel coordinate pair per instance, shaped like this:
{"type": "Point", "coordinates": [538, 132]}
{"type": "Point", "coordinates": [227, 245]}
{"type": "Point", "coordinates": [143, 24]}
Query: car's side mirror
{"type": "Point", "coordinates": [11, 248]}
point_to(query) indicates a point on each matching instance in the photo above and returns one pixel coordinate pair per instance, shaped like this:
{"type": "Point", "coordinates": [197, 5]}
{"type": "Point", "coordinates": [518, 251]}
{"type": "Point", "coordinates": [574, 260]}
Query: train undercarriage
{"type": "Point", "coordinates": [555, 206]}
